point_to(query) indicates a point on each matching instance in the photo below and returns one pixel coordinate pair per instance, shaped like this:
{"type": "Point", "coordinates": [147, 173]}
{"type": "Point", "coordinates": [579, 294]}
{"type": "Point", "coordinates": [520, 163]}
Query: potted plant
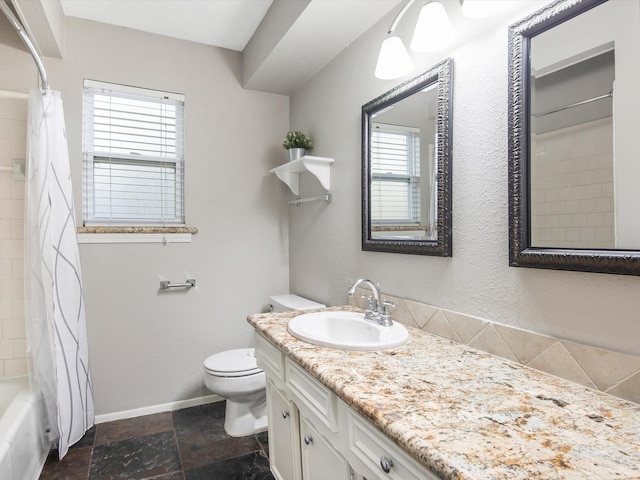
{"type": "Point", "coordinates": [297, 143]}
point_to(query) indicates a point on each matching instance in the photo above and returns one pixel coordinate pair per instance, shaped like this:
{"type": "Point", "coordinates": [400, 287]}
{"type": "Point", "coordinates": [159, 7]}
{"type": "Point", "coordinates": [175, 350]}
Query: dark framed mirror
{"type": "Point", "coordinates": [574, 70]}
{"type": "Point", "coordinates": [406, 166]}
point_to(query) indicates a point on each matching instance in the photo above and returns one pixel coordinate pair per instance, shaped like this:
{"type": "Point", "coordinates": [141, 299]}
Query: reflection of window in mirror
{"type": "Point", "coordinates": [404, 169]}
{"type": "Point", "coordinates": [395, 177]}
{"type": "Point", "coordinates": [572, 161]}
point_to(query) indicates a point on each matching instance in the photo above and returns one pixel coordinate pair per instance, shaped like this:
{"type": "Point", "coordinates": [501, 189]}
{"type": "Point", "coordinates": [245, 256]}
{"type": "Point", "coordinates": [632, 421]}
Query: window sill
{"type": "Point", "coordinates": [135, 234]}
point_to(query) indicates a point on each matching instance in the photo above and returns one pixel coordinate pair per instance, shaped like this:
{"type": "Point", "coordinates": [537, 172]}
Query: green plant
{"type": "Point", "coordinates": [297, 139]}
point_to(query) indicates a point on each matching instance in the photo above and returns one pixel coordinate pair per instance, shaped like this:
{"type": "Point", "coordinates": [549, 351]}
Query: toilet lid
{"type": "Point", "coordinates": [233, 363]}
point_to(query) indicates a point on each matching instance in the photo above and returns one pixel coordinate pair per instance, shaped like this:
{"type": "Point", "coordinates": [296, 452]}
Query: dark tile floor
{"type": "Point", "coordinates": [188, 444]}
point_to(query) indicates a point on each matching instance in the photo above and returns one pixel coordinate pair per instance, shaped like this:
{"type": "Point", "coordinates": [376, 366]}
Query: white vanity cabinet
{"type": "Point", "coordinates": [313, 435]}
{"type": "Point", "coordinates": [297, 448]}
{"type": "Point", "coordinates": [284, 434]}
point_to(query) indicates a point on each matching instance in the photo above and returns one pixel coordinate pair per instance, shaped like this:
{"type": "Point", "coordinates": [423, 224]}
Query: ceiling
{"type": "Point", "coordinates": [221, 23]}
{"type": "Point", "coordinates": [274, 36]}
{"type": "Point", "coordinates": [283, 43]}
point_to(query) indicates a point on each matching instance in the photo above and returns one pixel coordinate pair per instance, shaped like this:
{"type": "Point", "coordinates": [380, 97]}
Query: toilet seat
{"type": "Point", "coordinates": [233, 363]}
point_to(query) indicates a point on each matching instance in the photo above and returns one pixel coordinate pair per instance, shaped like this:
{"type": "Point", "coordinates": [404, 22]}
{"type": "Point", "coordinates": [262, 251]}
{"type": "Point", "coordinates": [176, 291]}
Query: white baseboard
{"type": "Point", "coordinates": [164, 407]}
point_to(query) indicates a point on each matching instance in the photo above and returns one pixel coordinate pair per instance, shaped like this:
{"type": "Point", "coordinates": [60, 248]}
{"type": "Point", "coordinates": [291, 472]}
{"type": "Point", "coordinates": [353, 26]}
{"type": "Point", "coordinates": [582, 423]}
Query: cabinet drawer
{"type": "Point", "coordinates": [269, 358]}
{"type": "Point", "coordinates": [316, 401]}
{"type": "Point", "coordinates": [372, 448]}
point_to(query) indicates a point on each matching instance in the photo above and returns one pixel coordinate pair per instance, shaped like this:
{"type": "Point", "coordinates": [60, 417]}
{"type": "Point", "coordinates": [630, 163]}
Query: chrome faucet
{"type": "Point", "coordinates": [376, 311]}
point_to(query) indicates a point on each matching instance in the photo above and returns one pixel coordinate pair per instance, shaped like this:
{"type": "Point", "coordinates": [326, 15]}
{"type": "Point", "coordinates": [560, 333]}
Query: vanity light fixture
{"type": "Point", "coordinates": [433, 31]}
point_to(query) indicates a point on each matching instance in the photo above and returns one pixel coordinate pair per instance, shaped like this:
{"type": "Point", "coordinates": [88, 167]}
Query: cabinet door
{"type": "Point", "coordinates": [320, 461]}
{"type": "Point", "coordinates": [284, 437]}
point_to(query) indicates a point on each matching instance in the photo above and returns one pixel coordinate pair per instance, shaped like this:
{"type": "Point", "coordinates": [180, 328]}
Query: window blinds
{"type": "Point", "coordinates": [133, 143]}
{"type": "Point", "coordinates": [395, 174]}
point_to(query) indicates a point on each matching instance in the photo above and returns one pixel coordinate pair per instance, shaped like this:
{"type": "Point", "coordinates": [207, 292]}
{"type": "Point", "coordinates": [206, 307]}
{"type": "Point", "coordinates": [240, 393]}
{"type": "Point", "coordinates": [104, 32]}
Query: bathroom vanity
{"type": "Point", "coordinates": [433, 409]}
{"type": "Point", "coordinates": [313, 434]}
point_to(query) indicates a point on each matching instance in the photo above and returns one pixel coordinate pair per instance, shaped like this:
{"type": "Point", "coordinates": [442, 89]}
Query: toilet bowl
{"type": "Point", "coordinates": [235, 376]}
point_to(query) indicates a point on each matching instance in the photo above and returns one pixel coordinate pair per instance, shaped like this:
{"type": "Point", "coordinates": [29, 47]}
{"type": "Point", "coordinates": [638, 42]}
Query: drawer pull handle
{"type": "Point", "coordinates": [285, 414]}
{"type": "Point", "coordinates": [308, 439]}
{"type": "Point", "coordinates": [386, 464]}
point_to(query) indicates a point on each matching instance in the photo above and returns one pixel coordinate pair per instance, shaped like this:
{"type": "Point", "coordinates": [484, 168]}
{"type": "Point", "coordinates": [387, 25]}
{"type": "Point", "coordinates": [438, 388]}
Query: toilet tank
{"type": "Point", "coordinates": [289, 301]}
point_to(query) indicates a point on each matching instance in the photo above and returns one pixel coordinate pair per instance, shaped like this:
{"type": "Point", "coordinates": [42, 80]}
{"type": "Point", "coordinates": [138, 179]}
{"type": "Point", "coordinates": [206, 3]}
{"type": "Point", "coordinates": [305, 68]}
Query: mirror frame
{"type": "Point", "coordinates": [521, 253]}
{"type": "Point", "coordinates": [442, 75]}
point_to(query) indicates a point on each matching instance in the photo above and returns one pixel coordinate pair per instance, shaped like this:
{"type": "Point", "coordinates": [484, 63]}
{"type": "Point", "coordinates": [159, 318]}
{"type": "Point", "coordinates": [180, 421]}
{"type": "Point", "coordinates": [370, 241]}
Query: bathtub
{"type": "Point", "coordinates": [22, 451]}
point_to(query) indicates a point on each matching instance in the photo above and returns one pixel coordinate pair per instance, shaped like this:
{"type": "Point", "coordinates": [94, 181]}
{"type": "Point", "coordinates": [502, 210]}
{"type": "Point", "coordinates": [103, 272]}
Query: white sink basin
{"type": "Point", "coordinates": [347, 331]}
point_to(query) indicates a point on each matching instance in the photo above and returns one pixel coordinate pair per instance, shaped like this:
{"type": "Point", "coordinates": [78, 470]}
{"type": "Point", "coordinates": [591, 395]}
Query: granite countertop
{"type": "Point", "coordinates": [466, 414]}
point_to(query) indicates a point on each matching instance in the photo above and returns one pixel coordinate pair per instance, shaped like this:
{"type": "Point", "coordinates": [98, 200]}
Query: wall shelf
{"type": "Point", "coordinates": [320, 167]}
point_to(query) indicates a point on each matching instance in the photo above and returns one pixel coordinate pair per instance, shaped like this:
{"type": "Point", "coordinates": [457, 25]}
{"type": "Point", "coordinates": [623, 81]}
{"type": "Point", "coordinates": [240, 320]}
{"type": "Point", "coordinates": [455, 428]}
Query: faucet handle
{"type": "Point", "coordinates": [369, 301]}
{"type": "Point", "coordinates": [385, 315]}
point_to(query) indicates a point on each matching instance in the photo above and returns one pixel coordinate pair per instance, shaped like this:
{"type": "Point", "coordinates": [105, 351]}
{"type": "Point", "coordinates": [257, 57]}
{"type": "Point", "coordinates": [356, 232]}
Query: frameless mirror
{"type": "Point", "coordinates": [574, 70]}
{"type": "Point", "coordinates": [406, 166]}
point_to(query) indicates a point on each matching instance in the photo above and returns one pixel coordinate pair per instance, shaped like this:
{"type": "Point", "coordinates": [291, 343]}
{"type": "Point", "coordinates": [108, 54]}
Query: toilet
{"type": "Point", "coordinates": [235, 376]}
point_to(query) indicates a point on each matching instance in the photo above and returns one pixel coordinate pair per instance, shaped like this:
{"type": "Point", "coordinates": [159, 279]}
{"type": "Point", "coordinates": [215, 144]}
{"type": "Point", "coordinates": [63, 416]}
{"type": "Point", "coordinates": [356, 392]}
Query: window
{"type": "Point", "coordinates": [133, 145]}
{"type": "Point", "coordinates": [395, 174]}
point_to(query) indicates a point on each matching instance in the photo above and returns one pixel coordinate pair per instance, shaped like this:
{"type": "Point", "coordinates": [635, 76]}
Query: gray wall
{"type": "Point", "coordinates": [147, 348]}
{"type": "Point", "coordinates": [325, 253]}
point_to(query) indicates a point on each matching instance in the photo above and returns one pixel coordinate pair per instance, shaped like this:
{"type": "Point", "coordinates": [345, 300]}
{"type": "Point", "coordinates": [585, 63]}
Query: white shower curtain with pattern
{"type": "Point", "coordinates": [54, 306]}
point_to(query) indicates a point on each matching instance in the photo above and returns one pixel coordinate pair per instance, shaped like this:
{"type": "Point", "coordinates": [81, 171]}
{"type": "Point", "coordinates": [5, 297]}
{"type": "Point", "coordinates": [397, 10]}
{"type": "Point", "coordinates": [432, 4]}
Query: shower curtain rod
{"type": "Point", "coordinates": [15, 23]}
{"type": "Point", "coordinates": [572, 105]}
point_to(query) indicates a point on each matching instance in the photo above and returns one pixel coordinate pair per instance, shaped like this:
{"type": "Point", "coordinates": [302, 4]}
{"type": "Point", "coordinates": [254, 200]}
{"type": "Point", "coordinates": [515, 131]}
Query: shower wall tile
{"type": "Point", "coordinates": [608, 371]}
{"type": "Point", "coordinates": [6, 349]}
{"type": "Point", "coordinates": [5, 148]}
{"type": "Point", "coordinates": [17, 269]}
{"type": "Point", "coordinates": [13, 328]}
{"type": "Point", "coordinates": [12, 249]}
{"type": "Point", "coordinates": [17, 229]}
{"type": "Point", "coordinates": [11, 208]}
{"type": "Point", "coordinates": [5, 228]}
{"type": "Point", "coordinates": [17, 307]}
{"type": "Point", "coordinates": [6, 310]}
{"type": "Point", "coordinates": [6, 265]}
{"type": "Point", "coordinates": [20, 348]}
{"type": "Point", "coordinates": [15, 367]}
{"type": "Point", "coordinates": [13, 127]}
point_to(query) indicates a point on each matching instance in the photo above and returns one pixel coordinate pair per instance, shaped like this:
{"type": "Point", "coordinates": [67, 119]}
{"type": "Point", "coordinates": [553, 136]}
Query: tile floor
{"type": "Point", "coordinates": [188, 444]}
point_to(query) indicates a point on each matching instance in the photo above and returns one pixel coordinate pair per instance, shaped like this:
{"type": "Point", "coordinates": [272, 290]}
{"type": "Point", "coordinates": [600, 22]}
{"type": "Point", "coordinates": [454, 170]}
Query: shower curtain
{"type": "Point", "coordinates": [54, 306]}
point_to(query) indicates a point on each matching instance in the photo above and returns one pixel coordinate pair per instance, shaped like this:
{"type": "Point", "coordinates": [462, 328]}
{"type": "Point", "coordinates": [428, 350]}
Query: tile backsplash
{"type": "Point", "coordinates": [614, 373]}
{"type": "Point", "coordinates": [13, 134]}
